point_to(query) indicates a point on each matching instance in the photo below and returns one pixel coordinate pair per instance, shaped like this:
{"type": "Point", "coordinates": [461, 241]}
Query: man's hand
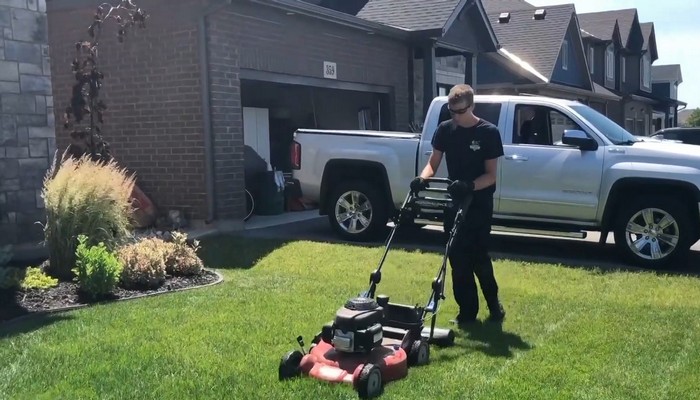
{"type": "Point", "coordinates": [418, 184]}
{"type": "Point", "coordinates": [459, 190]}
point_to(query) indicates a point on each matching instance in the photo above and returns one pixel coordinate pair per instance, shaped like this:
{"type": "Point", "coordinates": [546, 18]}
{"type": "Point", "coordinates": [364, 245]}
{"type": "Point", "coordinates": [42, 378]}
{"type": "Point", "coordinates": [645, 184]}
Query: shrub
{"type": "Point", "coordinates": [10, 278]}
{"type": "Point", "coordinates": [182, 259]}
{"type": "Point", "coordinates": [35, 278]}
{"type": "Point", "coordinates": [84, 197]}
{"type": "Point", "coordinates": [98, 270]}
{"type": "Point", "coordinates": [144, 263]}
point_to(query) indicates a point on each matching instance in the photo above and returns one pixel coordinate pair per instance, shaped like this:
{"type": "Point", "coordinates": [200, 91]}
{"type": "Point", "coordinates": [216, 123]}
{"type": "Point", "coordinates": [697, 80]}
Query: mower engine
{"type": "Point", "coordinates": [357, 327]}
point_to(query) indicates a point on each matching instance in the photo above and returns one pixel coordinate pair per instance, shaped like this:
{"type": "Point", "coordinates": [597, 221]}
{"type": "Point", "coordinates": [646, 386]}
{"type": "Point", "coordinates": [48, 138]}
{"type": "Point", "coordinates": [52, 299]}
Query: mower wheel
{"type": "Point", "coordinates": [369, 384]}
{"type": "Point", "coordinates": [289, 365]}
{"type": "Point", "coordinates": [419, 353]}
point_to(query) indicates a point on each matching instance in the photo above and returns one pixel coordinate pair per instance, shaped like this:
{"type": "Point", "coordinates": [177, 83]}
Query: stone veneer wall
{"type": "Point", "coordinates": [27, 137]}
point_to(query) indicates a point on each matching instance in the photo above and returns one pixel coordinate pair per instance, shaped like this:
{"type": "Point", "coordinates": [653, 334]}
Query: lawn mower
{"type": "Point", "coordinates": [373, 341]}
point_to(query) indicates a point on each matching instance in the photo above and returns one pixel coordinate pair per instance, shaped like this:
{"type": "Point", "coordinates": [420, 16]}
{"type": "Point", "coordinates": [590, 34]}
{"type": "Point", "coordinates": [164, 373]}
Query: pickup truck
{"type": "Point", "coordinates": [573, 171]}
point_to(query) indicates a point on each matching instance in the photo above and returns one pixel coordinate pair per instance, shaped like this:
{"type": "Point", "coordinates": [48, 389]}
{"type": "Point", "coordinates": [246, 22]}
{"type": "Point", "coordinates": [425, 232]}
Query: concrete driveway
{"type": "Point", "coordinates": [585, 253]}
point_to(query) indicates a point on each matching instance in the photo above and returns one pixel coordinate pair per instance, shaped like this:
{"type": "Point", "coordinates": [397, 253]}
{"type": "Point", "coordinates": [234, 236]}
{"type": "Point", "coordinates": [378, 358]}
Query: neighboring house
{"type": "Point", "coordinates": [620, 54]}
{"type": "Point", "coordinates": [541, 53]}
{"type": "Point", "coordinates": [209, 80]}
{"type": "Point", "coordinates": [665, 80]}
{"type": "Point", "coordinates": [27, 138]}
{"type": "Point", "coordinates": [683, 116]}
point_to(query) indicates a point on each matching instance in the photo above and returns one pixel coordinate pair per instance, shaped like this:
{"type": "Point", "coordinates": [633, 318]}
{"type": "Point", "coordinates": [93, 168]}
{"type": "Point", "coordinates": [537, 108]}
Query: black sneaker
{"type": "Point", "coordinates": [497, 313]}
{"type": "Point", "coordinates": [462, 319]}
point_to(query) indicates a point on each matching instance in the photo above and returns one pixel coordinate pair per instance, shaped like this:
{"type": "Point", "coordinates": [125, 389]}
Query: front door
{"type": "Point", "coordinates": [543, 178]}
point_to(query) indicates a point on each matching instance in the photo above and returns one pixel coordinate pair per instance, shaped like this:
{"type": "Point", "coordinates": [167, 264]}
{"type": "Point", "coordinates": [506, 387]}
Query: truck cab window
{"type": "Point", "coordinates": [538, 125]}
{"type": "Point", "coordinates": [490, 112]}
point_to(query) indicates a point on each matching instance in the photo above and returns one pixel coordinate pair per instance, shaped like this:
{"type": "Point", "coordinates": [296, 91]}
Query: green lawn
{"type": "Point", "coordinates": [570, 333]}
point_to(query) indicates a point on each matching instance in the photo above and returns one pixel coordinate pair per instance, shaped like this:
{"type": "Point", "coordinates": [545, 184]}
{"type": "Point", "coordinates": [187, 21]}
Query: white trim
{"type": "Point", "coordinates": [565, 55]}
{"type": "Point", "coordinates": [610, 62]}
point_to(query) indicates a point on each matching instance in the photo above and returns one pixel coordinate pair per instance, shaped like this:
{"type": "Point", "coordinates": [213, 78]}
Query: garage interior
{"type": "Point", "coordinates": [274, 110]}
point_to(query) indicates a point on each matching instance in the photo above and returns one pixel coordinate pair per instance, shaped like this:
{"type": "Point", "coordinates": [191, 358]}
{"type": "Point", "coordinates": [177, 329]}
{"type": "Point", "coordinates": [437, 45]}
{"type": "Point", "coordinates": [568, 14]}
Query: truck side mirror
{"type": "Point", "coordinates": [579, 139]}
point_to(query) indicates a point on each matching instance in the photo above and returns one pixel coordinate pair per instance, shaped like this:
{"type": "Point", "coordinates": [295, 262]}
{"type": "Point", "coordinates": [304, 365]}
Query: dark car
{"type": "Point", "coordinates": [684, 135]}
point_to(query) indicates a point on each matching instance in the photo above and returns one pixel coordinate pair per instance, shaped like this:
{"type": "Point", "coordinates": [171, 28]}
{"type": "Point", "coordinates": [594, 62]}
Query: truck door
{"type": "Point", "coordinates": [540, 176]}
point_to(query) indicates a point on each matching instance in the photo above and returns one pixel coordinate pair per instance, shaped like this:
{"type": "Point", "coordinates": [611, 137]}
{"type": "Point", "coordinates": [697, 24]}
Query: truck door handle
{"type": "Point", "coordinates": [516, 157]}
{"type": "Point", "coordinates": [428, 152]}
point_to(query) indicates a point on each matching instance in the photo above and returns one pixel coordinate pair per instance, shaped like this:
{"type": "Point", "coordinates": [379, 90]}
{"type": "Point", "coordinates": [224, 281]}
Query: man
{"type": "Point", "coordinates": [471, 147]}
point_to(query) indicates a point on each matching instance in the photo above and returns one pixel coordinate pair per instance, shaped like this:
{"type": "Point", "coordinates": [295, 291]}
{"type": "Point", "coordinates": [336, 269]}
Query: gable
{"type": "Point", "coordinates": [576, 73]}
{"type": "Point", "coordinates": [470, 30]}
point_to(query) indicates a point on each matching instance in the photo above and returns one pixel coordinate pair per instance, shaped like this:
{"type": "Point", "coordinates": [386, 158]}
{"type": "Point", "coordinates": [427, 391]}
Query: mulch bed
{"type": "Point", "coordinates": [66, 294]}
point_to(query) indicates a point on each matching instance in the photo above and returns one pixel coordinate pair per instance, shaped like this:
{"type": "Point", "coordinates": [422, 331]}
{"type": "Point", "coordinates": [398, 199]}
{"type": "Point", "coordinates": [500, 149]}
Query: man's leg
{"type": "Point", "coordinates": [463, 280]}
{"type": "Point", "coordinates": [483, 266]}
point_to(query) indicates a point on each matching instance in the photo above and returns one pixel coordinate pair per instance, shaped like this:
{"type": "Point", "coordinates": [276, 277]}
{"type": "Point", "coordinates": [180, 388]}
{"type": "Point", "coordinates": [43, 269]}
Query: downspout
{"type": "Point", "coordinates": [206, 109]}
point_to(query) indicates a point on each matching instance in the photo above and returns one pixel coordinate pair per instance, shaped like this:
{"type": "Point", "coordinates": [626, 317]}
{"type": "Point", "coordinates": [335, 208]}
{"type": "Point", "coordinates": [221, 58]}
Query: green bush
{"type": "Point", "coordinates": [10, 278]}
{"type": "Point", "coordinates": [84, 197]}
{"type": "Point", "coordinates": [35, 278]}
{"type": "Point", "coordinates": [144, 263]}
{"type": "Point", "coordinates": [182, 259]}
{"type": "Point", "coordinates": [98, 270]}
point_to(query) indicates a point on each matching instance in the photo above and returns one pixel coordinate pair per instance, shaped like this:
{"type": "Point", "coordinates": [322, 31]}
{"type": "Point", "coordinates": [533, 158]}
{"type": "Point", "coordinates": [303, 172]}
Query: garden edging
{"type": "Point", "coordinates": [220, 279]}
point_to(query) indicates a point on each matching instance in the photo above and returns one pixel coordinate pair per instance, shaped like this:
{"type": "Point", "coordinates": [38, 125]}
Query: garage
{"type": "Point", "coordinates": [303, 69]}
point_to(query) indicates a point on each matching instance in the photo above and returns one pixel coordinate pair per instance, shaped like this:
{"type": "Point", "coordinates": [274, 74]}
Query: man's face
{"type": "Point", "coordinates": [459, 111]}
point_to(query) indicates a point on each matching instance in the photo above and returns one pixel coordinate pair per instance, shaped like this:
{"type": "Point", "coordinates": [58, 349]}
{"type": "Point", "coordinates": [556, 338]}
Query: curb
{"type": "Point", "coordinates": [35, 314]}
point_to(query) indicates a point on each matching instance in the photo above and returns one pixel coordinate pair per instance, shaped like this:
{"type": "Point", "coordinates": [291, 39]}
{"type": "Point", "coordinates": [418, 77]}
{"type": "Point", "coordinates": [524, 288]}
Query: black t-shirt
{"type": "Point", "coordinates": [466, 150]}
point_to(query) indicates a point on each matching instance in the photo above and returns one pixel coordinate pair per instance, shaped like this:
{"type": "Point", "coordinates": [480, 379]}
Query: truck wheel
{"type": "Point", "coordinates": [654, 232]}
{"type": "Point", "coordinates": [357, 211]}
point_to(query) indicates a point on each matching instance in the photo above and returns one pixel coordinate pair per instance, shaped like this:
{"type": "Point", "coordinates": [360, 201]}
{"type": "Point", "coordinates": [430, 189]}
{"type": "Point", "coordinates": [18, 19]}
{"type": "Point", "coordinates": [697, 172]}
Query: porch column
{"type": "Point", "coordinates": [470, 69]}
{"type": "Point", "coordinates": [429, 79]}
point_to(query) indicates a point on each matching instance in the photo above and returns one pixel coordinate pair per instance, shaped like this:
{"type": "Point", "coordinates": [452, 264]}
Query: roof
{"type": "Point", "coordinates": [492, 6]}
{"type": "Point", "coordinates": [603, 91]}
{"type": "Point", "coordinates": [535, 42]}
{"type": "Point", "coordinates": [416, 15]}
{"type": "Point", "coordinates": [666, 73]}
{"type": "Point", "coordinates": [647, 28]}
{"type": "Point", "coordinates": [602, 24]}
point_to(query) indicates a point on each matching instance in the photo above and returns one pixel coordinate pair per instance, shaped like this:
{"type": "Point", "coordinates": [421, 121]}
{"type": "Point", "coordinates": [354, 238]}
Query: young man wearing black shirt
{"type": "Point", "coordinates": [472, 147]}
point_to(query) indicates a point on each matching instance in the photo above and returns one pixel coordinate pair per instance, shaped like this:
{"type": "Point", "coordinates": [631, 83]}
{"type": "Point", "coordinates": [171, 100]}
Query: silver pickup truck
{"type": "Point", "coordinates": [567, 170]}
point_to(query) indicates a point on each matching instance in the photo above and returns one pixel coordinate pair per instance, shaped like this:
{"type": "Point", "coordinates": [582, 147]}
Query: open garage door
{"type": "Point", "coordinates": [273, 111]}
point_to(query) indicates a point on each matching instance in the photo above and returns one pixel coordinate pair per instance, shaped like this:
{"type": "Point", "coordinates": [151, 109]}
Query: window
{"type": "Point", "coordinates": [539, 125]}
{"type": "Point", "coordinates": [565, 55]}
{"type": "Point", "coordinates": [591, 59]}
{"type": "Point", "coordinates": [645, 71]}
{"type": "Point", "coordinates": [623, 68]}
{"type": "Point", "coordinates": [610, 62]}
{"type": "Point", "coordinates": [674, 91]}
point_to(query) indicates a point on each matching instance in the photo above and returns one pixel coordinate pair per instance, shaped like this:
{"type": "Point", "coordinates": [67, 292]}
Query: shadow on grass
{"type": "Point", "coordinates": [29, 324]}
{"type": "Point", "coordinates": [236, 252]}
{"type": "Point", "coordinates": [485, 337]}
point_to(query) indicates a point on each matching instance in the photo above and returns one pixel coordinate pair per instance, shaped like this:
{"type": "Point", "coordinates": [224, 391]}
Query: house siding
{"type": "Point", "coordinates": [576, 74]}
{"type": "Point", "coordinates": [490, 72]}
{"type": "Point", "coordinates": [27, 138]}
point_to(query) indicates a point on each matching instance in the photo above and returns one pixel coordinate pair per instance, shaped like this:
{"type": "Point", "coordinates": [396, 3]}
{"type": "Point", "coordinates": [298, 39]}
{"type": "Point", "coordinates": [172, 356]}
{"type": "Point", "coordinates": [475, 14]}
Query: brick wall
{"type": "Point", "coordinates": [27, 138]}
{"type": "Point", "coordinates": [152, 91]}
{"type": "Point", "coordinates": [266, 39]}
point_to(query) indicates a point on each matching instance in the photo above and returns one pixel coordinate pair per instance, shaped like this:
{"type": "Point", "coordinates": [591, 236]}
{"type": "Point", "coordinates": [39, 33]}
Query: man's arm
{"type": "Point", "coordinates": [433, 164]}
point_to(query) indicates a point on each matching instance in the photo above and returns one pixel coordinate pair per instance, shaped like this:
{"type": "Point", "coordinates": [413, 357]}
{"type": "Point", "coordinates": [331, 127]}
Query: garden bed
{"type": "Point", "coordinates": [66, 295]}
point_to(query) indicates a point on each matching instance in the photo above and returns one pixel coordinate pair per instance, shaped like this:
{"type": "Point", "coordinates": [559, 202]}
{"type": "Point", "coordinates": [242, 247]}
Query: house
{"type": "Point", "coordinates": [211, 81]}
{"type": "Point", "coordinates": [665, 80]}
{"type": "Point", "coordinates": [620, 54]}
{"type": "Point", "coordinates": [541, 53]}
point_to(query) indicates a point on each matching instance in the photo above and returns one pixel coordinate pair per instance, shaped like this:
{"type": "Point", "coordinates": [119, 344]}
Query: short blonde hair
{"type": "Point", "coordinates": [461, 93]}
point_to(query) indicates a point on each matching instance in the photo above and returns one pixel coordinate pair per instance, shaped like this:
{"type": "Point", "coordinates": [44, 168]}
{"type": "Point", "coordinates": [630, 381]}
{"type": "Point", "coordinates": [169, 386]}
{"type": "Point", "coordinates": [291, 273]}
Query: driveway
{"type": "Point", "coordinates": [586, 253]}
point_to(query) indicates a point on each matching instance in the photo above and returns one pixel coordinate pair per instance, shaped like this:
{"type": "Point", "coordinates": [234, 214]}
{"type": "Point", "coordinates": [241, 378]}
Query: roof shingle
{"type": "Point", "coordinates": [646, 32]}
{"type": "Point", "coordinates": [537, 42]}
{"type": "Point", "coordinates": [602, 24]}
{"type": "Point", "coordinates": [492, 6]}
{"type": "Point", "coordinates": [413, 15]}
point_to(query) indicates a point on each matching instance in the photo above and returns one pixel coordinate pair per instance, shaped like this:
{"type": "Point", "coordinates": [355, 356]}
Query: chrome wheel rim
{"type": "Point", "coordinates": [652, 234]}
{"type": "Point", "coordinates": [353, 211]}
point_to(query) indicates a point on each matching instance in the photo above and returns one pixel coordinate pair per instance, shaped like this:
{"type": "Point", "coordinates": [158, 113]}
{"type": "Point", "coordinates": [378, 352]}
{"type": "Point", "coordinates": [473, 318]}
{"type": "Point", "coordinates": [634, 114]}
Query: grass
{"type": "Point", "coordinates": [570, 333]}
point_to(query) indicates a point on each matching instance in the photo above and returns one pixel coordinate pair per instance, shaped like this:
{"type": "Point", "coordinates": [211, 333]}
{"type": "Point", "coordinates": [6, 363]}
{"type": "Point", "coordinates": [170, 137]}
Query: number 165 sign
{"type": "Point", "coordinates": [329, 70]}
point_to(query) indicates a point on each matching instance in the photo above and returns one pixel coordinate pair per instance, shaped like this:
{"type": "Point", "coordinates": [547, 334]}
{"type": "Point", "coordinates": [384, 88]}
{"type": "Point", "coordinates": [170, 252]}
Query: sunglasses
{"type": "Point", "coordinates": [460, 111]}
